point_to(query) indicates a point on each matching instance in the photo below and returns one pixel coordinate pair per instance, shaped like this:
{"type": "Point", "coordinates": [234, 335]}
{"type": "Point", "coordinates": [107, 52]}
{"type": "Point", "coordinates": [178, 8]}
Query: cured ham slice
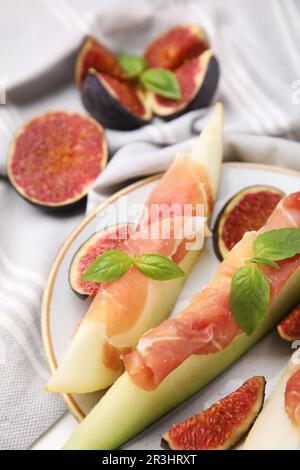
{"type": "Point", "coordinates": [207, 326]}
{"type": "Point", "coordinates": [292, 399]}
{"type": "Point", "coordinates": [124, 309]}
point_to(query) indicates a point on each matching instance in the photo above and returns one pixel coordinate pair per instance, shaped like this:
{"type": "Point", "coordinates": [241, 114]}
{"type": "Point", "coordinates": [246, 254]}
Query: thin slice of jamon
{"type": "Point", "coordinates": [193, 189]}
{"type": "Point", "coordinates": [292, 399]}
{"type": "Point", "coordinates": [207, 325]}
{"type": "Point", "coordinates": [119, 304]}
{"type": "Point", "coordinates": [287, 213]}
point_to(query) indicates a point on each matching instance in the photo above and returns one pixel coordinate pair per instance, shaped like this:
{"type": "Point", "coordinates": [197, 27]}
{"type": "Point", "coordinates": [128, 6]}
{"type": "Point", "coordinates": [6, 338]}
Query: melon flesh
{"type": "Point", "coordinates": [273, 429]}
{"type": "Point", "coordinates": [82, 369]}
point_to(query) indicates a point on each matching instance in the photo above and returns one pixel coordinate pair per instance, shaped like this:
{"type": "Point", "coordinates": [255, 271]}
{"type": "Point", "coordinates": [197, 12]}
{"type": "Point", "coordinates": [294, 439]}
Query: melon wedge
{"type": "Point", "coordinates": [84, 368]}
{"type": "Point", "coordinates": [127, 409]}
{"type": "Point", "coordinates": [273, 429]}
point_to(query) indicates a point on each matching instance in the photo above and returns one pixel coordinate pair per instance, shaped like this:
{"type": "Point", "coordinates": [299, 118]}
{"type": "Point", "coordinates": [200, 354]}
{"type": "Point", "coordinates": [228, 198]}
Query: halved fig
{"type": "Point", "coordinates": [289, 327]}
{"type": "Point", "coordinates": [247, 210]}
{"type": "Point", "coordinates": [223, 424]}
{"type": "Point", "coordinates": [55, 157]}
{"type": "Point", "coordinates": [111, 238]}
{"type": "Point", "coordinates": [198, 78]}
{"type": "Point", "coordinates": [116, 104]}
{"type": "Point", "coordinates": [173, 47]}
{"type": "Point", "coordinates": [95, 55]}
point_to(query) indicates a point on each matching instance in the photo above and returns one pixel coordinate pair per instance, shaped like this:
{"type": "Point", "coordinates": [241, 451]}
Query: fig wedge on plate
{"type": "Point", "coordinates": [223, 424]}
{"type": "Point", "coordinates": [247, 210]}
{"type": "Point", "coordinates": [55, 157]}
{"type": "Point", "coordinates": [111, 238]}
{"type": "Point", "coordinates": [289, 327]}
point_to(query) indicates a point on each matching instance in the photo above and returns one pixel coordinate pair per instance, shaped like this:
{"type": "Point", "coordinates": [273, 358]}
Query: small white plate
{"type": "Point", "coordinates": [62, 309]}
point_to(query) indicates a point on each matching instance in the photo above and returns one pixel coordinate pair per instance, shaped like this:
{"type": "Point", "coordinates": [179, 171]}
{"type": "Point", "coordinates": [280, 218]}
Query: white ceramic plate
{"type": "Point", "coordinates": [62, 309]}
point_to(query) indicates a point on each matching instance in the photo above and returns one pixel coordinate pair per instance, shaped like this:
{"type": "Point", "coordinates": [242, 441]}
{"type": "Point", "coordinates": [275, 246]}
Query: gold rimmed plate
{"type": "Point", "coordinates": [62, 309]}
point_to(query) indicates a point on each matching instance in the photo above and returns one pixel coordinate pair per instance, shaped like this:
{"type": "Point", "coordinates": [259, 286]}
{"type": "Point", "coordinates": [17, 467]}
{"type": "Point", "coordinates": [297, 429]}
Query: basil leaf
{"type": "Point", "coordinates": [158, 267]}
{"type": "Point", "coordinates": [163, 82]}
{"type": "Point", "coordinates": [277, 244]}
{"type": "Point", "coordinates": [263, 262]}
{"type": "Point", "coordinates": [249, 297]}
{"type": "Point", "coordinates": [108, 267]}
{"type": "Point", "coordinates": [132, 65]}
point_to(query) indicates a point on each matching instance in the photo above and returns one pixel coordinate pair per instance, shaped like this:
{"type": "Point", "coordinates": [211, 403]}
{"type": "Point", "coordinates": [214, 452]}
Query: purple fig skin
{"type": "Point", "coordinates": [105, 108]}
{"type": "Point", "coordinates": [205, 93]}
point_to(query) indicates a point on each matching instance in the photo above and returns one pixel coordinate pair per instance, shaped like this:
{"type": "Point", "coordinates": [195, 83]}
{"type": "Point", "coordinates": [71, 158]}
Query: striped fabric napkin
{"type": "Point", "coordinates": [257, 44]}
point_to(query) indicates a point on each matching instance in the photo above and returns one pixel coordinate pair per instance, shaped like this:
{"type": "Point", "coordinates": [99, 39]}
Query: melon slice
{"type": "Point", "coordinates": [122, 312]}
{"type": "Point", "coordinates": [273, 429]}
{"type": "Point", "coordinates": [126, 409]}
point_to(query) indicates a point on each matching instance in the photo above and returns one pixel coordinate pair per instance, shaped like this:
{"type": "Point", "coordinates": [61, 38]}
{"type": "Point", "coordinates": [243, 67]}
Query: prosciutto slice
{"type": "Point", "coordinates": [207, 326]}
{"type": "Point", "coordinates": [292, 398]}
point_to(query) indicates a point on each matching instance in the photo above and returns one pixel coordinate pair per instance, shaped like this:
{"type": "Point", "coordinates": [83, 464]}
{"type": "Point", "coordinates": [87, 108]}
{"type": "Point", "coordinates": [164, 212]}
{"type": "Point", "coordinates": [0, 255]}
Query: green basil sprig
{"type": "Point", "coordinates": [277, 244]}
{"type": "Point", "coordinates": [133, 65]}
{"type": "Point", "coordinates": [158, 267]}
{"type": "Point", "coordinates": [108, 267]}
{"type": "Point", "coordinates": [262, 262]}
{"type": "Point", "coordinates": [113, 264]}
{"type": "Point", "coordinates": [161, 81]}
{"type": "Point", "coordinates": [250, 290]}
{"type": "Point", "coordinates": [249, 297]}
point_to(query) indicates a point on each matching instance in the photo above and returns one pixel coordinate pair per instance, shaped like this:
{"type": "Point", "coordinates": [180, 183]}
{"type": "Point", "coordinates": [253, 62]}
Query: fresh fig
{"type": "Point", "coordinates": [247, 210]}
{"type": "Point", "coordinates": [198, 78]}
{"type": "Point", "coordinates": [222, 425]}
{"type": "Point", "coordinates": [95, 55]}
{"type": "Point", "coordinates": [108, 239]}
{"type": "Point", "coordinates": [117, 104]}
{"type": "Point", "coordinates": [173, 47]}
{"type": "Point", "coordinates": [55, 157]}
{"type": "Point", "coordinates": [289, 327]}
